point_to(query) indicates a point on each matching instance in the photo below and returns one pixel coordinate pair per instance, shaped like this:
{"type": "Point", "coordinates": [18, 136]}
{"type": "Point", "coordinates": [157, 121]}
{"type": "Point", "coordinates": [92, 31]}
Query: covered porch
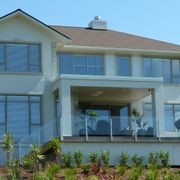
{"type": "Point", "coordinates": [108, 109]}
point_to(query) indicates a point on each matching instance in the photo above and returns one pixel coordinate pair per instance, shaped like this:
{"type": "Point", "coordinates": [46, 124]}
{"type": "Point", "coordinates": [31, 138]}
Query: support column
{"type": "Point", "coordinates": [65, 101]}
{"type": "Point", "coordinates": [158, 111]}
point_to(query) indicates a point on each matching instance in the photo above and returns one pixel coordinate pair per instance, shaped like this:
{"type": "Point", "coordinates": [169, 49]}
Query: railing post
{"type": "Point", "coordinates": [19, 147]}
{"type": "Point", "coordinates": [86, 129]}
{"type": "Point", "coordinates": [111, 130]}
{"type": "Point", "coordinates": [159, 137]}
{"type": "Point", "coordinates": [60, 128]}
{"type": "Point", "coordinates": [135, 130]}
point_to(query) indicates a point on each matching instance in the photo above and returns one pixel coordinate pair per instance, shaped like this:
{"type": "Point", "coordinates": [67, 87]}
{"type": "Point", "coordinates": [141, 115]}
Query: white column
{"type": "Point", "coordinates": [136, 65]}
{"type": "Point", "coordinates": [65, 101]}
{"type": "Point", "coordinates": [158, 110]}
{"type": "Point", "coordinates": [110, 65]}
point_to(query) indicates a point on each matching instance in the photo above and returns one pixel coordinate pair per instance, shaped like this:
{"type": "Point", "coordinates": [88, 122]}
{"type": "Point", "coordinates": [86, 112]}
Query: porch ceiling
{"type": "Point", "coordinates": [101, 94]}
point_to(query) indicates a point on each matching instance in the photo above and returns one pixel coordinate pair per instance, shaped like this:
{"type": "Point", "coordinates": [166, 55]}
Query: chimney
{"type": "Point", "coordinates": [98, 23]}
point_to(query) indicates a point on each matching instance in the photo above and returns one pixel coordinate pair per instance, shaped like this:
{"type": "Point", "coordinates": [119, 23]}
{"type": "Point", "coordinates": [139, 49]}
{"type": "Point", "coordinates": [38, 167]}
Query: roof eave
{"type": "Point", "coordinates": [120, 50]}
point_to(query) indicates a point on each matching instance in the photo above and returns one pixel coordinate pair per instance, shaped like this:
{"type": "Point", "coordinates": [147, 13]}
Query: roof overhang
{"type": "Point", "coordinates": [59, 36]}
{"type": "Point", "coordinates": [74, 48]}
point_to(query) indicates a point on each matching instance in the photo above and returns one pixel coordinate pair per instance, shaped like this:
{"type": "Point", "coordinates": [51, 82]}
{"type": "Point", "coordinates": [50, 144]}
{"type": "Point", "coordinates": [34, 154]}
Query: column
{"type": "Point", "coordinates": [65, 108]}
{"type": "Point", "coordinates": [158, 110]}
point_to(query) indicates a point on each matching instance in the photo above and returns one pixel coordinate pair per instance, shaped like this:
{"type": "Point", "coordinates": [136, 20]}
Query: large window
{"type": "Point", "coordinates": [169, 69]}
{"type": "Point", "coordinates": [81, 64]}
{"type": "Point", "coordinates": [21, 115]}
{"type": "Point", "coordinates": [172, 117]}
{"type": "Point", "coordinates": [124, 66]}
{"type": "Point", "coordinates": [16, 57]}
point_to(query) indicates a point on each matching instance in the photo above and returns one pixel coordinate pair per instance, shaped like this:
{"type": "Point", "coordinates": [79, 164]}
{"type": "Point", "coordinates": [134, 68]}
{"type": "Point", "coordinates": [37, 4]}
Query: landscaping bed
{"type": "Point", "coordinates": [54, 171]}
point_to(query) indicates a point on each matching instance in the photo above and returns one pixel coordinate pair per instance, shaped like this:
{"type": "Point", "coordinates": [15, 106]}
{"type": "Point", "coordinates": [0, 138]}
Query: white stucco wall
{"type": "Point", "coordinates": [19, 29]}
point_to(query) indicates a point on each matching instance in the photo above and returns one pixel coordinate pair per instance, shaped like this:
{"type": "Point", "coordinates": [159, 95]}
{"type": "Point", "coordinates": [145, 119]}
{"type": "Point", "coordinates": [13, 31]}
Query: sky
{"type": "Point", "coordinates": [157, 19]}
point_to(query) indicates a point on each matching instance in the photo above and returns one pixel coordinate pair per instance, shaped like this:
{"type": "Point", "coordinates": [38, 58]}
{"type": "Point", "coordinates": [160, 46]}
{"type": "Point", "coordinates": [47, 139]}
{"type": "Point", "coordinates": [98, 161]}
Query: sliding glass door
{"type": "Point", "coordinates": [100, 115]}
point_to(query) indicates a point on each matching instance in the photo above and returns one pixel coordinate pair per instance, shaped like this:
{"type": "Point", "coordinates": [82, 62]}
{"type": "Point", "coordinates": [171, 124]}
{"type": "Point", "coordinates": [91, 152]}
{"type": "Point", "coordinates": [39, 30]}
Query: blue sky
{"type": "Point", "coordinates": [158, 19]}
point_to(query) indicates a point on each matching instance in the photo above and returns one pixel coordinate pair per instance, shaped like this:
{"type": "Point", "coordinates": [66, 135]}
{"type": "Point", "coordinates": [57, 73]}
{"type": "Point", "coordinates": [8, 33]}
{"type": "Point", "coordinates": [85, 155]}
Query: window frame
{"type": "Point", "coordinates": [86, 57]}
{"type": "Point", "coordinates": [30, 124]}
{"type": "Point", "coordinates": [173, 111]}
{"type": "Point", "coordinates": [28, 57]}
{"type": "Point", "coordinates": [118, 67]}
{"type": "Point", "coordinates": [162, 59]}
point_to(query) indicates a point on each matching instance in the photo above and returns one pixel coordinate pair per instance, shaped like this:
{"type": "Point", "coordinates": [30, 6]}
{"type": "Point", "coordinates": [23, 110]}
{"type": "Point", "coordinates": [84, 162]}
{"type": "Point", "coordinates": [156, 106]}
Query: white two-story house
{"type": "Point", "coordinates": [83, 84]}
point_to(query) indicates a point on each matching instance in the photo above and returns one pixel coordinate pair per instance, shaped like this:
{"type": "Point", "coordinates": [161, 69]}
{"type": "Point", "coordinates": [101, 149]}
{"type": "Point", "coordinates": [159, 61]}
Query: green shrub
{"type": "Point", "coordinates": [52, 170]}
{"type": "Point", "coordinates": [153, 158]}
{"type": "Point", "coordinates": [136, 173]}
{"type": "Point", "coordinates": [78, 157]}
{"type": "Point", "coordinates": [70, 174]}
{"type": "Point", "coordinates": [121, 170]}
{"type": "Point", "coordinates": [86, 168]}
{"type": "Point", "coordinates": [164, 159]}
{"type": "Point", "coordinates": [137, 160]}
{"type": "Point", "coordinates": [152, 173]}
{"type": "Point", "coordinates": [35, 157]}
{"type": "Point", "coordinates": [41, 176]}
{"type": "Point", "coordinates": [14, 170]}
{"type": "Point", "coordinates": [93, 157]}
{"type": "Point", "coordinates": [67, 159]}
{"type": "Point", "coordinates": [8, 145]}
{"type": "Point", "coordinates": [56, 144]}
{"type": "Point", "coordinates": [105, 156]}
{"type": "Point", "coordinates": [124, 159]}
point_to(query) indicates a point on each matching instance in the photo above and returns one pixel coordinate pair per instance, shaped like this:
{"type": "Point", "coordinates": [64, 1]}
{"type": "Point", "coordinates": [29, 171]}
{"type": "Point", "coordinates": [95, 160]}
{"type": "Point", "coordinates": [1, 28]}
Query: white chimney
{"type": "Point", "coordinates": [98, 23]}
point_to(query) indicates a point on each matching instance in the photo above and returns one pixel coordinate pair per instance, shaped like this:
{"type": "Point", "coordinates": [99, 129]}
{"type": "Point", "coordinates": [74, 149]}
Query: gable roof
{"type": "Point", "coordinates": [38, 22]}
{"type": "Point", "coordinates": [112, 39]}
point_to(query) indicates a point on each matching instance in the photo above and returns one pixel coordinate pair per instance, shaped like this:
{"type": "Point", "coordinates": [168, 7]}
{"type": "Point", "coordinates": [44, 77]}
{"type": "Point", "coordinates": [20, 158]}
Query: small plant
{"type": "Point", "coordinates": [35, 156]}
{"type": "Point", "coordinates": [13, 170]}
{"type": "Point", "coordinates": [153, 158]}
{"type": "Point", "coordinates": [124, 159]}
{"type": "Point", "coordinates": [78, 158]}
{"type": "Point", "coordinates": [121, 170]}
{"type": "Point", "coordinates": [105, 156]}
{"type": "Point", "coordinates": [66, 159]}
{"type": "Point", "coordinates": [93, 157]}
{"type": "Point", "coordinates": [136, 173]}
{"type": "Point", "coordinates": [152, 174]}
{"type": "Point", "coordinates": [52, 170]}
{"type": "Point", "coordinates": [56, 144]}
{"type": "Point", "coordinates": [164, 158]}
{"type": "Point", "coordinates": [137, 160]}
{"type": "Point", "coordinates": [41, 176]}
{"type": "Point", "coordinates": [8, 145]}
{"type": "Point", "coordinates": [70, 174]}
{"type": "Point", "coordinates": [86, 168]}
